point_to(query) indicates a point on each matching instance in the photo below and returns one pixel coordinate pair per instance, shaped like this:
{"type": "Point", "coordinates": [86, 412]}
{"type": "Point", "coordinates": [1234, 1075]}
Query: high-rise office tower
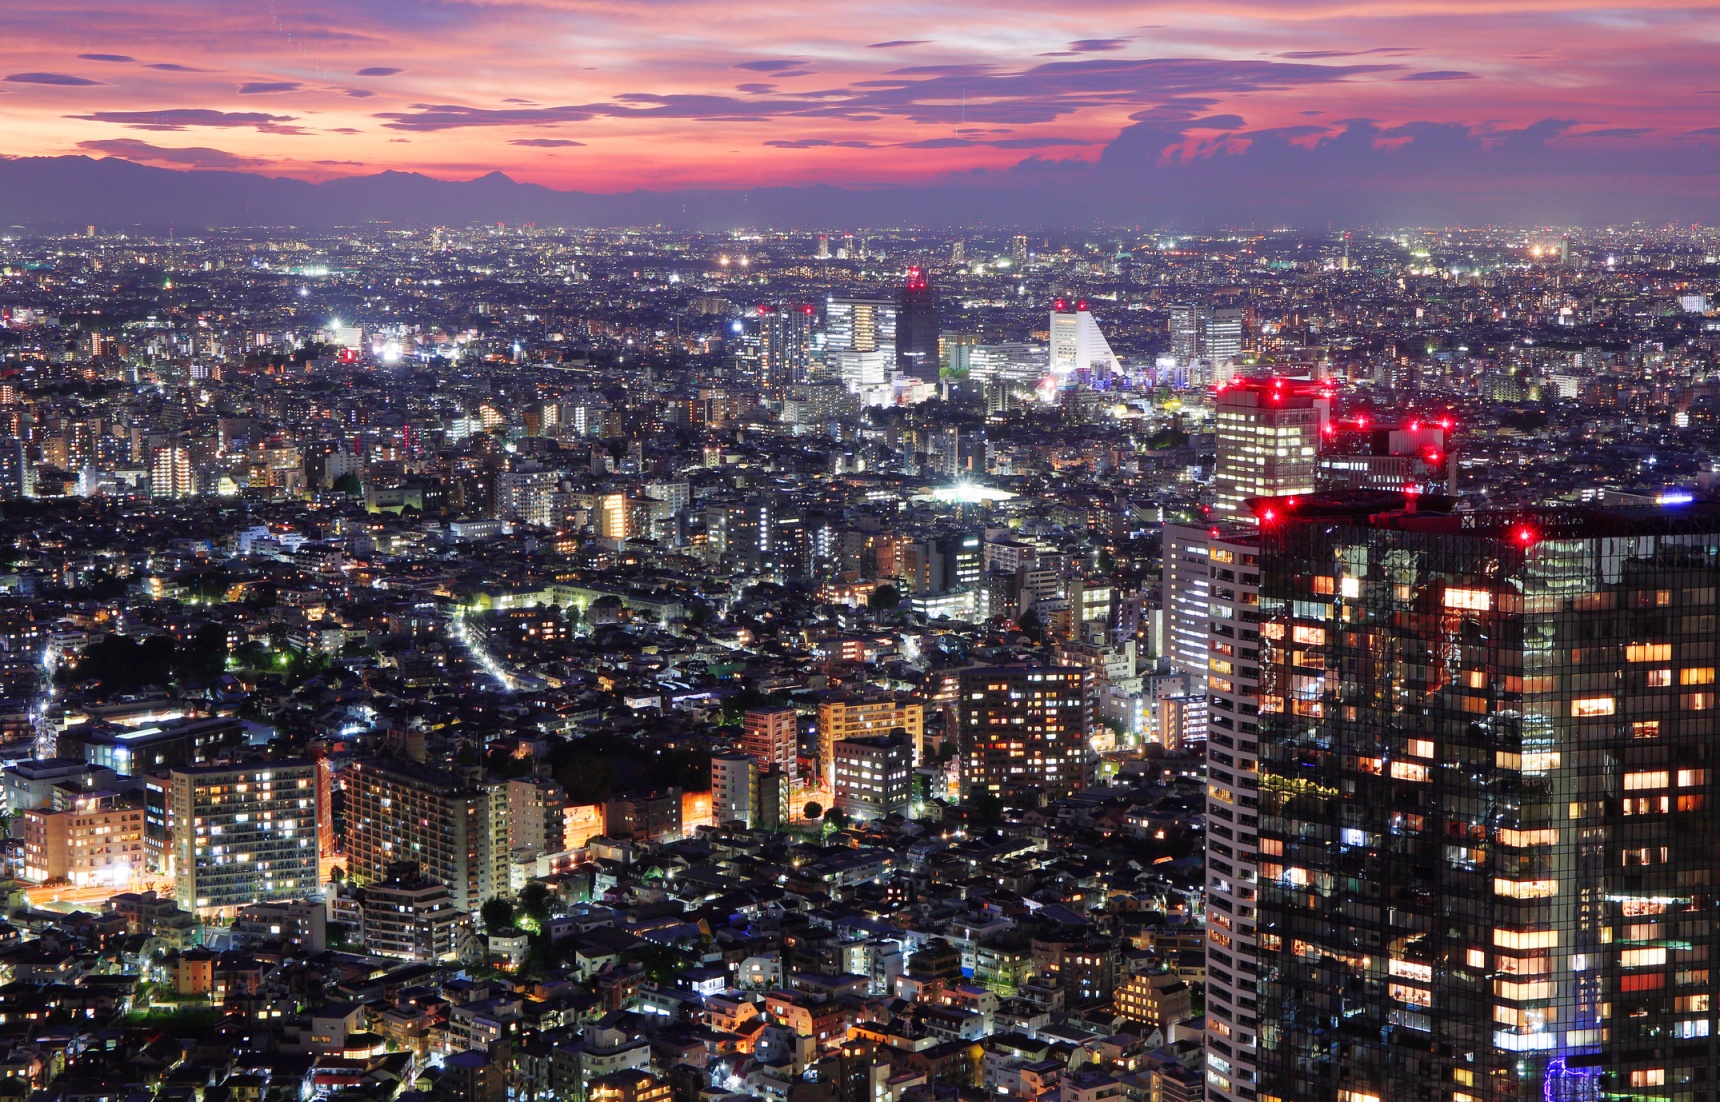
{"type": "Point", "coordinates": [242, 834]}
{"type": "Point", "coordinates": [1185, 333]}
{"type": "Point", "coordinates": [1018, 248]}
{"type": "Point", "coordinates": [1221, 336]}
{"type": "Point", "coordinates": [824, 246]}
{"type": "Point", "coordinates": [1025, 728]}
{"type": "Point", "coordinates": [958, 251]}
{"type": "Point", "coordinates": [917, 326]}
{"type": "Point", "coordinates": [1205, 334]}
{"type": "Point", "coordinates": [1269, 432]}
{"type": "Point", "coordinates": [1410, 453]}
{"type": "Point", "coordinates": [1077, 346]}
{"type": "Point", "coordinates": [1487, 849]}
{"type": "Point", "coordinates": [851, 324]}
{"type": "Point", "coordinates": [784, 343]}
{"type": "Point", "coordinates": [451, 823]}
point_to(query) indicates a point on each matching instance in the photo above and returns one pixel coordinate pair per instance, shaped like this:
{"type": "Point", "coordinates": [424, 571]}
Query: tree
{"type": "Point", "coordinates": [884, 597]}
{"type": "Point", "coordinates": [836, 819]}
{"type": "Point", "coordinates": [535, 904]}
{"type": "Point", "coordinates": [497, 913]}
{"type": "Point", "coordinates": [814, 809]}
{"type": "Point", "coordinates": [1032, 625]}
{"type": "Point", "coordinates": [348, 484]}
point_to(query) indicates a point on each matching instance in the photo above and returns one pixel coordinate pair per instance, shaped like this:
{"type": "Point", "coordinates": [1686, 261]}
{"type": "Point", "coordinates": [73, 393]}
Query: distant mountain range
{"type": "Point", "coordinates": [1350, 180]}
{"type": "Point", "coordinates": [56, 193]}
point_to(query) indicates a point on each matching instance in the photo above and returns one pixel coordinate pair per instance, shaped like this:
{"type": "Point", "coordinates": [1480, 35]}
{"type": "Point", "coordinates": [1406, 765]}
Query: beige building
{"type": "Point", "coordinates": [862, 718]}
{"type": "Point", "coordinates": [96, 841]}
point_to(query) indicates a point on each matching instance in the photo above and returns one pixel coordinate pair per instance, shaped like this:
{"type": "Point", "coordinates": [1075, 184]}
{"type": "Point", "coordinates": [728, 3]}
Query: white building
{"type": "Point", "coordinates": [734, 788]}
{"type": "Point", "coordinates": [1078, 348]}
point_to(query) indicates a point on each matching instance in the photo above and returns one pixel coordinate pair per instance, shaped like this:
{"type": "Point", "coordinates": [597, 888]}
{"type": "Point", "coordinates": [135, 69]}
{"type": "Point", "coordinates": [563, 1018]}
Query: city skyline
{"type": "Point", "coordinates": [1461, 110]}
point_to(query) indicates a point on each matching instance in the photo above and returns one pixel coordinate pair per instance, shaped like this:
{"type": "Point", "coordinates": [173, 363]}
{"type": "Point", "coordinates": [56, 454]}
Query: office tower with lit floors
{"type": "Point", "coordinates": [1268, 432]}
{"type": "Point", "coordinates": [917, 326]}
{"type": "Point", "coordinates": [1488, 852]}
{"type": "Point", "coordinates": [1232, 805]}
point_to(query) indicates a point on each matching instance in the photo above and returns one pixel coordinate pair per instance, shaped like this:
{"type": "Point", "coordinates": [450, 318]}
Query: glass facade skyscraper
{"type": "Point", "coordinates": [917, 326]}
{"type": "Point", "coordinates": [1487, 856]}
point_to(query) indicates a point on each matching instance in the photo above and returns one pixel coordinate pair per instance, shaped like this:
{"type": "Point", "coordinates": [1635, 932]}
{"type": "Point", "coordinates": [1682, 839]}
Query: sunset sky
{"type": "Point", "coordinates": [662, 94]}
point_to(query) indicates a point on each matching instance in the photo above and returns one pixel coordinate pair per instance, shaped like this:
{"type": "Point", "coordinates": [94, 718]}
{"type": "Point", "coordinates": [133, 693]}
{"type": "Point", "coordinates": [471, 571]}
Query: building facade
{"type": "Point", "coordinates": [1025, 727]}
{"type": "Point", "coordinates": [772, 737]}
{"type": "Point", "coordinates": [874, 776]}
{"type": "Point", "coordinates": [242, 834]}
{"type": "Point", "coordinates": [859, 718]}
{"type": "Point", "coordinates": [1487, 846]}
{"type": "Point", "coordinates": [452, 825]}
{"type": "Point", "coordinates": [1269, 433]}
{"type": "Point", "coordinates": [734, 788]}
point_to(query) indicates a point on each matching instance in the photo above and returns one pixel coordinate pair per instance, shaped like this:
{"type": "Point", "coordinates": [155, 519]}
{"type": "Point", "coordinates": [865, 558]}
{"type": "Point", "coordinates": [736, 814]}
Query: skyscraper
{"type": "Point", "coordinates": [860, 340]}
{"type": "Point", "coordinates": [1077, 347]}
{"type": "Point", "coordinates": [1221, 340]}
{"type": "Point", "coordinates": [16, 479]}
{"type": "Point", "coordinates": [917, 326]}
{"type": "Point", "coordinates": [1487, 851]}
{"type": "Point", "coordinates": [1185, 333]}
{"type": "Point", "coordinates": [1206, 334]}
{"type": "Point", "coordinates": [1025, 728]}
{"type": "Point", "coordinates": [784, 343]}
{"type": "Point", "coordinates": [1018, 248]}
{"type": "Point", "coordinates": [1269, 432]}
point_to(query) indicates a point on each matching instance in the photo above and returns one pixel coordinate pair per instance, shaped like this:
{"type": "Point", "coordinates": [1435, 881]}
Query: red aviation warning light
{"type": "Point", "coordinates": [916, 279]}
{"type": "Point", "coordinates": [1080, 304]}
{"type": "Point", "coordinates": [1524, 536]}
{"type": "Point", "coordinates": [1060, 304]}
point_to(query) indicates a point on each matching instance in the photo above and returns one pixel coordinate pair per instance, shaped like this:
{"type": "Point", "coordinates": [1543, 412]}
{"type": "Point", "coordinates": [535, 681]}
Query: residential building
{"type": "Point", "coordinates": [242, 834]}
{"type": "Point", "coordinates": [450, 823]}
{"type": "Point", "coordinates": [858, 717]}
{"type": "Point", "coordinates": [873, 776]}
{"type": "Point", "coordinates": [734, 788]}
{"type": "Point", "coordinates": [1025, 727]}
